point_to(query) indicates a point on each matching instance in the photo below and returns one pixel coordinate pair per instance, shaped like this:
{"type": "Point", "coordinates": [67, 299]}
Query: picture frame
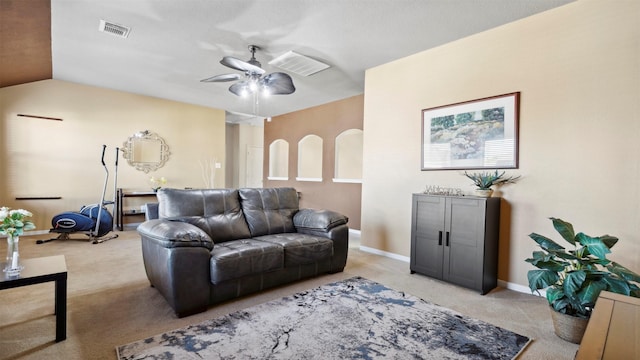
{"type": "Point", "coordinates": [475, 134]}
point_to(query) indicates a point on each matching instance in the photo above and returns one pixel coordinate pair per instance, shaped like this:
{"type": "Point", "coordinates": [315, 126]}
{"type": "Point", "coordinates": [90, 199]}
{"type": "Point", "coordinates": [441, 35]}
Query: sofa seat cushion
{"type": "Point", "coordinates": [238, 258]}
{"type": "Point", "coordinates": [301, 249]}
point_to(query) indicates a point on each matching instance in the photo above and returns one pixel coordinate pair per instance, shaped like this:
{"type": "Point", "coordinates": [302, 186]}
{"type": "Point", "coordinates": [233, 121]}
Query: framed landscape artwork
{"type": "Point", "coordinates": [476, 134]}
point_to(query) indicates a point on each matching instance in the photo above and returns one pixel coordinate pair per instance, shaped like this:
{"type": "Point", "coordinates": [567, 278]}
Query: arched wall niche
{"type": "Point", "coordinates": [279, 160]}
{"type": "Point", "coordinates": [348, 164]}
{"type": "Point", "coordinates": [326, 121]}
{"type": "Point", "coordinates": [310, 158]}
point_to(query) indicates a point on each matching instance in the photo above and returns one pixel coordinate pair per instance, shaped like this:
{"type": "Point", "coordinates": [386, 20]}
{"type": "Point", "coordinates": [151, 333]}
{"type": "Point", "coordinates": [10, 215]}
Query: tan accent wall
{"type": "Point", "coordinates": [326, 121]}
{"type": "Point", "coordinates": [578, 70]}
{"type": "Point", "coordinates": [62, 158]}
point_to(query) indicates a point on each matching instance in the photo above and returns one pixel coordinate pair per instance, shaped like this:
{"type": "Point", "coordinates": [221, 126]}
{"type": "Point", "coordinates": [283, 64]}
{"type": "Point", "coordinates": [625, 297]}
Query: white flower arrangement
{"type": "Point", "coordinates": [14, 222]}
{"type": "Point", "coordinates": [157, 183]}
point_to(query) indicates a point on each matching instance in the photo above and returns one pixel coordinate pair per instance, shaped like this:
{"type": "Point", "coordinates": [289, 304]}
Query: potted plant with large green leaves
{"type": "Point", "coordinates": [574, 277]}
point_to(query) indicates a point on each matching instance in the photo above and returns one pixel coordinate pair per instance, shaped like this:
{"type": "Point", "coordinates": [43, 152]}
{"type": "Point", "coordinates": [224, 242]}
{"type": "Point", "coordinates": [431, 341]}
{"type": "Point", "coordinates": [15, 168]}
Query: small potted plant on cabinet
{"type": "Point", "coordinates": [573, 278]}
{"type": "Point", "coordinates": [485, 180]}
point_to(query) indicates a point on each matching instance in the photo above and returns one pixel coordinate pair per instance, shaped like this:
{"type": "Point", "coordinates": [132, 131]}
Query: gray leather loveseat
{"type": "Point", "coordinates": [212, 245]}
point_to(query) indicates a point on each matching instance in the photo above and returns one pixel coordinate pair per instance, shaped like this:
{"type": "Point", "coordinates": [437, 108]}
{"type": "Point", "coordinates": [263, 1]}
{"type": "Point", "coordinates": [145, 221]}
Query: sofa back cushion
{"type": "Point", "coordinates": [216, 211]}
{"type": "Point", "coordinates": [269, 211]}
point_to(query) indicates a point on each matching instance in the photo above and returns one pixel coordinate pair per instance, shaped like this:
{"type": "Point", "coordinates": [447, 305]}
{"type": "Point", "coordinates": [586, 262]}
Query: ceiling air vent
{"type": "Point", "coordinates": [298, 64]}
{"type": "Point", "coordinates": [114, 29]}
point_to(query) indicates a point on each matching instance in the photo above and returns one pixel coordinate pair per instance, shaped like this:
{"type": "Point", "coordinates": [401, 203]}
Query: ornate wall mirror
{"type": "Point", "coordinates": [146, 151]}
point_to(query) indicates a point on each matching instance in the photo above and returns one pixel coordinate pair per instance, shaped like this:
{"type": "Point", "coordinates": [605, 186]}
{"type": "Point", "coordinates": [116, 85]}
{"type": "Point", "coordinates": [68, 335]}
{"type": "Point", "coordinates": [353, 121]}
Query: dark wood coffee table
{"type": "Point", "coordinates": [41, 270]}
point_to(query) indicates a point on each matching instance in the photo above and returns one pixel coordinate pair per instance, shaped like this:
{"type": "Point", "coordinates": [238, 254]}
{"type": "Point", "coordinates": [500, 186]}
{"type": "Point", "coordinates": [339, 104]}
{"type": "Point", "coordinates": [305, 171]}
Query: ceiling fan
{"type": "Point", "coordinates": [253, 81]}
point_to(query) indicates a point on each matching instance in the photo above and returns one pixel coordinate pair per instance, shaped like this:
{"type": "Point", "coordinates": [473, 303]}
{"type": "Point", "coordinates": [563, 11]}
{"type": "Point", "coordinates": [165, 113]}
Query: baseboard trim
{"type": "Point", "coordinates": [385, 254]}
{"type": "Point", "coordinates": [505, 284]}
{"type": "Point", "coordinates": [520, 288]}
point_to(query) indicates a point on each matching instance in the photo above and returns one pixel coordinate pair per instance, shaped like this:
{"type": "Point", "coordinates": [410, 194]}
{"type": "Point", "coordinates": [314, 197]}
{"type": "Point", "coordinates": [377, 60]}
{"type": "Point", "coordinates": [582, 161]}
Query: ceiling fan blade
{"type": "Point", "coordinates": [240, 88]}
{"type": "Point", "coordinates": [222, 78]}
{"type": "Point", "coordinates": [241, 65]}
{"type": "Point", "coordinates": [278, 83]}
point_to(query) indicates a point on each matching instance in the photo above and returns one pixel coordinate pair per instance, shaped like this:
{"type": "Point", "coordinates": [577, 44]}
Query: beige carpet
{"type": "Point", "coordinates": [111, 303]}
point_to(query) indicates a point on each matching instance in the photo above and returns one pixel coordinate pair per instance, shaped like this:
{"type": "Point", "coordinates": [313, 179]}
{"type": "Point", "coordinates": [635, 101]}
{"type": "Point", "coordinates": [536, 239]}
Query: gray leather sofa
{"type": "Point", "coordinates": [213, 245]}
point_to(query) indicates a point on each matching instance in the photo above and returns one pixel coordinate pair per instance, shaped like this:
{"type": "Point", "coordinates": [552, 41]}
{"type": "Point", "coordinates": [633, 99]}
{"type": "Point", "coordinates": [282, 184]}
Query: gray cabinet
{"type": "Point", "coordinates": [455, 239]}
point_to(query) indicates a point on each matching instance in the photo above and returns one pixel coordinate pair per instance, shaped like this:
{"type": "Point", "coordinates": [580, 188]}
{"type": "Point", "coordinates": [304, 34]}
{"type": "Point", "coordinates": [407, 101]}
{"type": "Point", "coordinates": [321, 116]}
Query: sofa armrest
{"type": "Point", "coordinates": [176, 259]}
{"type": "Point", "coordinates": [318, 220]}
{"type": "Point", "coordinates": [329, 224]}
{"type": "Point", "coordinates": [173, 234]}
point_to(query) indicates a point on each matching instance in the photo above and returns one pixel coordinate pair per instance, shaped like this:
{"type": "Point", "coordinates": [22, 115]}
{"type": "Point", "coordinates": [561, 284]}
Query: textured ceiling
{"type": "Point", "coordinates": [175, 44]}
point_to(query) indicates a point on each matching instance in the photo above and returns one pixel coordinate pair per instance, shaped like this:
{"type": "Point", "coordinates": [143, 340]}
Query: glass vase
{"type": "Point", "coordinates": [13, 266]}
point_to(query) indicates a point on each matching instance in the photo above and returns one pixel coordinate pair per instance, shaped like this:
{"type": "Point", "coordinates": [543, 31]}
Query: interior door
{"type": "Point", "coordinates": [255, 156]}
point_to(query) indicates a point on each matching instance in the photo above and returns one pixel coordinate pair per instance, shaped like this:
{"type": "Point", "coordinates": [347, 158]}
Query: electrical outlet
{"type": "Point", "coordinates": [218, 166]}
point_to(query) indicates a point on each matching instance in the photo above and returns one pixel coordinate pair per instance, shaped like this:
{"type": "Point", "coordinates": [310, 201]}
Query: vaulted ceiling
{"type": "Point", "coordinates": [172, 44]}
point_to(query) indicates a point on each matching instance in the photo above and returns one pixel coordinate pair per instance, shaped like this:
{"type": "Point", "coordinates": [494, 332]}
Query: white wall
{"type": "Point", "coordinates": [578, 70]}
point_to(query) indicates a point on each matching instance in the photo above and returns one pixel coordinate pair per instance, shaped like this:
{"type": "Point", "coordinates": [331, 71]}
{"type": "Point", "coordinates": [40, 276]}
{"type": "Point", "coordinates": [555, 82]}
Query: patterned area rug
{"type": "Point", "coordinates": [351, 319]}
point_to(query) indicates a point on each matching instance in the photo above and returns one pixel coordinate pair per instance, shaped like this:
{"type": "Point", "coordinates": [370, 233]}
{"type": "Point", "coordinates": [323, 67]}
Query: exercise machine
{"type": "Point", "coordinates": [94, 221]}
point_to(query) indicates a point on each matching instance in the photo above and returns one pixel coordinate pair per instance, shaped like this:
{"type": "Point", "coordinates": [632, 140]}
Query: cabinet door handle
{"type": "Point", "coordinates": [439, 238]}
{"type": "Point", "coordinates": [447, 244]}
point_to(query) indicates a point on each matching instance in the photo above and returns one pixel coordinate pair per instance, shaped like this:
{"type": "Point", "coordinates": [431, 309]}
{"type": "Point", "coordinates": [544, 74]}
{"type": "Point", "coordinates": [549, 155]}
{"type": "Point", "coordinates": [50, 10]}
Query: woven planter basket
{"type": "Point", "coordinates": [567, 327]}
